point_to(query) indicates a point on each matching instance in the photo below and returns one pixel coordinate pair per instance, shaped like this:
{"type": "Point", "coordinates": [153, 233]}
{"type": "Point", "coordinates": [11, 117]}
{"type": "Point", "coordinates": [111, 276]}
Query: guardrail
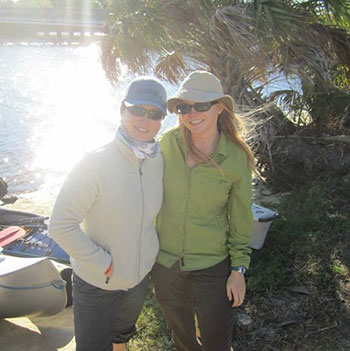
{"type": "Point", "coordinates": [52, 25]}
{"type": "Point", "coordinates": [53, 16]}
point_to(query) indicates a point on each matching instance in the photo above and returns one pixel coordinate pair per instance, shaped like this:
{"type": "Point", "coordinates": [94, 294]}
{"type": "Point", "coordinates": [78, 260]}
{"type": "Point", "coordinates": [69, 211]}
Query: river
{"type": "Point", "coordinates": [55, 104]}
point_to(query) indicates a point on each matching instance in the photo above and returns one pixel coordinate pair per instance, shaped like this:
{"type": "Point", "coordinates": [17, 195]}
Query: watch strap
{"type": "Point", "coordinates": [239, 269]}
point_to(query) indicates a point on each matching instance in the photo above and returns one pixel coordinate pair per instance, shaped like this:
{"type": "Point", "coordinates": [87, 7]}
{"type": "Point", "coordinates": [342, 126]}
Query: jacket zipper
{"type": "Point", "coordinates": [188, 175]}
{"type": "Point", "coordinates": [140, 163]}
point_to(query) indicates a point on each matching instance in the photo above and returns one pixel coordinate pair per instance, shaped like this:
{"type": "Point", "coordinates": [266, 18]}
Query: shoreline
{"type": "Point", "coordinates": [38, 201]}
{"type": "Point", "coordinates": [41, 201]}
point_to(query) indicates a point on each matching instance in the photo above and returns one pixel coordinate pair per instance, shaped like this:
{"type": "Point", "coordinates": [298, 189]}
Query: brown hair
{"type": "Point", "coordinates": [230, 124]}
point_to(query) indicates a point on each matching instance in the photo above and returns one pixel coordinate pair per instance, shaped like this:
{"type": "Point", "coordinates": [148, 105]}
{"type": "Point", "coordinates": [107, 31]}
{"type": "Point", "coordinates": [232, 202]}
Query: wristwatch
{"type": "Point", "coordinates": [239, 269]}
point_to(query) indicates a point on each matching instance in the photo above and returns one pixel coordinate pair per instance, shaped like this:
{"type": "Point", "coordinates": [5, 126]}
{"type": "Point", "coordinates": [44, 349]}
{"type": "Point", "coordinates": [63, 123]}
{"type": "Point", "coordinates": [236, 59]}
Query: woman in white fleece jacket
{"type": "Point", "coordinates": [103, 218]}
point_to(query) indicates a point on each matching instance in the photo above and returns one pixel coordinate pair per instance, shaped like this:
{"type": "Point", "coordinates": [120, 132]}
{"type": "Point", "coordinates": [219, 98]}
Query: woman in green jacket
{"type": "Point", "coordinates": [206, 221]}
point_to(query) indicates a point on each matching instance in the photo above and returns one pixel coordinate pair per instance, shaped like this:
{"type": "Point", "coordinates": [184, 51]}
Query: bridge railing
{"type": "Point", "coordinates": [53, 15]}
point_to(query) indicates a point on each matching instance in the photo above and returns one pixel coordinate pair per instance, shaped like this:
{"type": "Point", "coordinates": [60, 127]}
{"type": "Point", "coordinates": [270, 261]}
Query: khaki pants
{"type": "Point", "coordinates": [181, 295]}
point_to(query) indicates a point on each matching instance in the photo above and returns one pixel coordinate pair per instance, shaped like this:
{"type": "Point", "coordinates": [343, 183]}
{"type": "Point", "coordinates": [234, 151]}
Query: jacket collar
{"type": "Point", "coordinates": [124, 149]}
{"type": "Point", "coordinates": [220, 152]}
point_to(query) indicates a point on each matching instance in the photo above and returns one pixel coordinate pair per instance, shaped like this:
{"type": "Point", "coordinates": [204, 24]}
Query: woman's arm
{"type": "Point", "coordinates": [240, 233]}
{"type": "Point", "coordinates": [76, 197]}
{"type": "Point", "coordinates": [240, 220]}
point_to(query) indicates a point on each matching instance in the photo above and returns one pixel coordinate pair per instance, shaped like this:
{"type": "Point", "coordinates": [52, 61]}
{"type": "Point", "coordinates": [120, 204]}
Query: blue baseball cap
{"type": "Point", "coordinates": [146, 91]}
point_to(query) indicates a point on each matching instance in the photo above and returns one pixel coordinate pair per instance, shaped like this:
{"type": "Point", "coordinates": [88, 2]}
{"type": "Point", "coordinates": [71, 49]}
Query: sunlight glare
{"type": "Point", "coordinates": [82, 112]}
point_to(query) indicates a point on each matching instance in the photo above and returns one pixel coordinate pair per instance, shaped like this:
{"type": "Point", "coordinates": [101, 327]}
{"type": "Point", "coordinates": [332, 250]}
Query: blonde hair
{"type": "Point", "coordinates": [230, 124]}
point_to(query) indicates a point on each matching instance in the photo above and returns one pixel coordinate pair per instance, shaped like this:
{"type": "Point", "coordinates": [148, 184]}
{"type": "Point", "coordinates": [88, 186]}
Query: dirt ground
{"type": "Point", "coordinates": [38, 334]}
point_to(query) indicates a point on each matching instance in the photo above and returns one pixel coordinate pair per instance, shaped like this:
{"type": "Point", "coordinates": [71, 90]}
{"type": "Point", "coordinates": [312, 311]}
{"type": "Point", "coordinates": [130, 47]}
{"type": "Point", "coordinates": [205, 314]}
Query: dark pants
{"type": "Point", "coordinates": [202, 292]}
{"type": "Point", "coordinates": [103, 317]}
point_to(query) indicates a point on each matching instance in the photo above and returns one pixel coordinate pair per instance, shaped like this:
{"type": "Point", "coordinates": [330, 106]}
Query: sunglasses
{"type": "Point", "coordinates": [184, 109]}
{"type": "Point", "coordinates": [140, 112]}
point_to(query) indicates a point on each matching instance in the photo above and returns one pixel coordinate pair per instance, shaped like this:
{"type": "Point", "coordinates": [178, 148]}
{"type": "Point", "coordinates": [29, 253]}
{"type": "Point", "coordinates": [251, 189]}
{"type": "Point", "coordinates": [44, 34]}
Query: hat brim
{"type": "Point", "coordinates": [145, 101]}
{"type": "Point", "coordinates": [198, 96]}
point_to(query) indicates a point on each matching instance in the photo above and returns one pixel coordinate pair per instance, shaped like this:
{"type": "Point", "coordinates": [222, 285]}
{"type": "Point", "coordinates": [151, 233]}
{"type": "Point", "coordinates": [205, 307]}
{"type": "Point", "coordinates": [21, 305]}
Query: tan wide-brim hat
{"type": "Point", "coordinates": [200, 86]}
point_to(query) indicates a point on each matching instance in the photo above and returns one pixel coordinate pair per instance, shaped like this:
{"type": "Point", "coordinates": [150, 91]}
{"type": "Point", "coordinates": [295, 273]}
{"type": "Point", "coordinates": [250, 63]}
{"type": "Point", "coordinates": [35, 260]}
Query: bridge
{"type": "Point", "coordinates": [52, 24]}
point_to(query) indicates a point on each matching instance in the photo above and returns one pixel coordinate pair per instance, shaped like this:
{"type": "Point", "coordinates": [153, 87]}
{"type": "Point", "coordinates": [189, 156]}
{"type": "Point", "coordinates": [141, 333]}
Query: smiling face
{"type": "Point", "coordinates": [141, 128]}
{"type": "Point", "coordinates": [201, 123]}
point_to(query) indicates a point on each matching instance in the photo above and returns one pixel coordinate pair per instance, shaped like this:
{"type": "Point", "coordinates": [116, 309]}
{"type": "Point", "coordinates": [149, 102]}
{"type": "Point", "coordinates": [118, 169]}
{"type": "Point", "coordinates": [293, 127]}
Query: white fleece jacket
{"type": "Point", "coordinates": [104, 213]}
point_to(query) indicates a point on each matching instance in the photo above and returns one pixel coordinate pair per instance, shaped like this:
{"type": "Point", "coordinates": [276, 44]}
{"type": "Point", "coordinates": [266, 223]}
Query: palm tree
{"type": "Point", "coordinates": [247, 44]}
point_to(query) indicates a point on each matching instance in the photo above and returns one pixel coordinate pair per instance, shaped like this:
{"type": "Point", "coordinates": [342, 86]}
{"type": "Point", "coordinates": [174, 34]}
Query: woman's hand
{"type": "Point", "coordinates": [235, 288]}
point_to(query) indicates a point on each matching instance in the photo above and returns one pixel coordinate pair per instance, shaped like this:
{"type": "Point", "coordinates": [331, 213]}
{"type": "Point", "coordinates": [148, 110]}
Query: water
{"type": "Point", "coordinates": [55, 105]}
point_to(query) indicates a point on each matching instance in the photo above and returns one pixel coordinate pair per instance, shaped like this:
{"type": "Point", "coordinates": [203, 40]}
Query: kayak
{"type": "Point", "coordinates": [36, 242]}
{"type": "Point", "coordinates": [30, 287]}
{"type": "Point", "coordinates": [25, 235]}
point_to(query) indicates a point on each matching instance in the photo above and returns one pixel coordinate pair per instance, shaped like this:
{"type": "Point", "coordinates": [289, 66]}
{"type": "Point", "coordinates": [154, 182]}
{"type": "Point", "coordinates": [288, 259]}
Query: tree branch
{"type": "Point", "coordinates": [338, 138]}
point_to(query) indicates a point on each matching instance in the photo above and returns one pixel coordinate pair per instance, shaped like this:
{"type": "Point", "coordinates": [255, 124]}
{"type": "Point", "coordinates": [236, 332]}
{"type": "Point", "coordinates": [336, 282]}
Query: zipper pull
{"type": "Point", "coordinates": [182, 261]}
{"type": "Point", "coordinates": [140, 166]}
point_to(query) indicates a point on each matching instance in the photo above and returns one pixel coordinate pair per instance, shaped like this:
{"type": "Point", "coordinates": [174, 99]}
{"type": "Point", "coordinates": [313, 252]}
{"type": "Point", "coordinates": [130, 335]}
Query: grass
{"type": "Point", "coordinates": [153, 334]}
{"type": "Point", "coordinates": [309, 243]}
{"type": "Point", "coordinates": [298, 286]}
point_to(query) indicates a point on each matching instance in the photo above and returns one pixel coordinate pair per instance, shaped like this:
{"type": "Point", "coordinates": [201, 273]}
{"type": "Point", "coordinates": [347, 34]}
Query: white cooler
{"type": "Point", "coordinates": [263, 218]}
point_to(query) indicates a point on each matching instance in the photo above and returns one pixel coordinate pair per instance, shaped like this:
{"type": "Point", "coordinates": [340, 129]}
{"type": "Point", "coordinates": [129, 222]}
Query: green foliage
{"type": "Point", "coordinates": [310, 243]}
{"type": "Point", "coordinates": [334, 103]}
{"type": "Point", "coordinates": [341, 77]}
{"type": "Point", "coordinates": [332, 9]}
{"type": "Point", "coordinates": [245, 43]}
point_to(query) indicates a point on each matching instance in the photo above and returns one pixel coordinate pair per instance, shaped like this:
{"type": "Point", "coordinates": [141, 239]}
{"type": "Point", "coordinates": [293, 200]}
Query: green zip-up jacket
{"type": "Point", "coordinates": [206, 213]}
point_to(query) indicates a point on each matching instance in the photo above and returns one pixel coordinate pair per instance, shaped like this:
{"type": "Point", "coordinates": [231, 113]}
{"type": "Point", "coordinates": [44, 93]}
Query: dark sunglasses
{"type": "Point", "coordinates": [184, 109]}
{"type": "Point", "coordinates": [140, 112]}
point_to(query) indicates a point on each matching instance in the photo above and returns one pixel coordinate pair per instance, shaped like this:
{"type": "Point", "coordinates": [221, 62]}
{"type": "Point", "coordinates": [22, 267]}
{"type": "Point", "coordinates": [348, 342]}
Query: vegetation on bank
{"type": "Point", "coordinates": [298, 132]}
{"type": "Point", "coordinates": [299, 283]}
{"type": "Point", "coordinates": [310, 241]}
{"type": "Point", "coordinates": [249, 44]}
{"type": "Point", "coordinates": [298, 295]}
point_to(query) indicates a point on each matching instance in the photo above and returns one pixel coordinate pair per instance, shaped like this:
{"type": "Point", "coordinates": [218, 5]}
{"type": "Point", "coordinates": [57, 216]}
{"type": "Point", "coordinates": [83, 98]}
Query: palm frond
{"type": "Point", "coordinates": [330, 8]}
{"type": "Point", "coordinates": [171, 67]}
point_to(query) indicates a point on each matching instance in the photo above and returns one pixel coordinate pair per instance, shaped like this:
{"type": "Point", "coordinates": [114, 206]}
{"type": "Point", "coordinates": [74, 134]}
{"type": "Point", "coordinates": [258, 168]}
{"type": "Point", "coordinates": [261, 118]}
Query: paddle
{"type": "Point", "coordinates": [11, 234]}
